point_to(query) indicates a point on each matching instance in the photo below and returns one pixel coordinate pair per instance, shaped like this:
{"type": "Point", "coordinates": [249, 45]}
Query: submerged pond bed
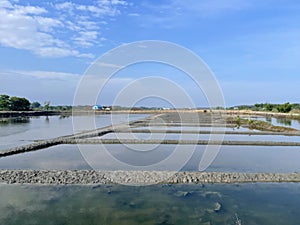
{"type": "Point", "coordinates": [157, 204]}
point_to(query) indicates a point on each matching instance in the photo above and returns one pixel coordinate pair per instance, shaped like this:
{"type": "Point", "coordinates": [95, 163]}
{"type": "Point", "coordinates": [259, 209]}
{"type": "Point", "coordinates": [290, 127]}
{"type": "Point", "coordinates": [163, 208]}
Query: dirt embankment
{"type": "Point", "coordinates": [137, 177]}
{"type": "Point", "coordinates": [259, 113]}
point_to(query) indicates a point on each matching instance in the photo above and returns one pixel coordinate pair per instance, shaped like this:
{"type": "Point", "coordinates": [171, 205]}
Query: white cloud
{"type": "Point", "coordinates": [56, 52]}
{"type": "Point", "coordinates": [24, 10]}
{"type": "Point", "coordinates": [65, 5]}
{"type": "Point", "coordinates": [86, 55]}
{"type": "Point", "coordinates": [118, 2]}
{"type": "Point", "coordinates": [109, 65]}
{"type": "Point", "coordinates": [88, 25]}
{"type": "Point", "coordinates": [55, 30]}
{"type": "Point", "coordinates": [42, 74]}
{"type": "Point", "coordinates": [5, 4]}
{"type": "Point", "coordinates": [21, 30]}
{"type": "Point", "coordinates": [47, 24]}
{"type": "Point", "coordinates": [86, 38]}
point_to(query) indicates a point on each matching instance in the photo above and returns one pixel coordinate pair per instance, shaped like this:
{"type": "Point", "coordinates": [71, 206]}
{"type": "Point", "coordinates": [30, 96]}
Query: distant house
{"type": "Point", "coordinates": [97, 107]}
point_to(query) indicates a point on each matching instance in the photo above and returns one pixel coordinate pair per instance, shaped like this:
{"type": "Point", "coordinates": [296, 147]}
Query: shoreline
{"type": "Point", "coordinates": [7, 114]}
{"type": "Point", "coordinates": [100, 112]}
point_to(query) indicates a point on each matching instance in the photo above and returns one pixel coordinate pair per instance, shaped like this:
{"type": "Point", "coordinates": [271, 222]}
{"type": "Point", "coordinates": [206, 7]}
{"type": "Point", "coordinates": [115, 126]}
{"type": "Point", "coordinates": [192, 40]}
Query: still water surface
{"type": "Point", "coordinates": [229, 159]}
{"type": "Point", "coordinates": [253, 204]}
{"type": "Point", "coordinates": [14, 132]}
{"type": "Point", "coordinates": [24, 130]}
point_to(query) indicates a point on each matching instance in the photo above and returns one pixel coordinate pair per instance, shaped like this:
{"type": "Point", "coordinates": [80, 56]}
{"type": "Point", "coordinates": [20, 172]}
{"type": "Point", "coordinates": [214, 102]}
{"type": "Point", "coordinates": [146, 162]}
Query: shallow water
{"type": "Point", "coordinates": [190, 128]}
{"type": "Point", "coordinates": [24, 130]}
{"type": "Point", "coordinates": [254, 204]}
{"type": "Point", "coordinates": [157, 157]}
{"type": "Point", "coordinates": [184, 136]}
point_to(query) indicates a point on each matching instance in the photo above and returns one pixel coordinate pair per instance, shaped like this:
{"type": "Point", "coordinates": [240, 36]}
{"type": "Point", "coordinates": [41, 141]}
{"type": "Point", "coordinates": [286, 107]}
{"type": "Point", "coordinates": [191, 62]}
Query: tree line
{"type": "Point", "coordinates": [283, 108]}
{"type": "Point", "coordinates": [14, 103]}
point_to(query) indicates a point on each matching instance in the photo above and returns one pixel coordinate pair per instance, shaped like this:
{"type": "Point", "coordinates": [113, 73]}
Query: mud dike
{"type": "Point", "coordinates": [150, 125]}
{"type": "Point", "coordinates": [137, 177]}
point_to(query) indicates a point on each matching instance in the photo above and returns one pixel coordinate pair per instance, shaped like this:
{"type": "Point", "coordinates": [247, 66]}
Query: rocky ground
{"type": "Point", "coordinates": [137, 177]}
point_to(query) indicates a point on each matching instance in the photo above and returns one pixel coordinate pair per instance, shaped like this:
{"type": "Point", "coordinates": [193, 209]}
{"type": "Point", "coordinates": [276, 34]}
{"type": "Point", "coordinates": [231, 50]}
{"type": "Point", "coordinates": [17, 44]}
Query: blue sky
{"type": "Point", "coordinates": [252, 46]}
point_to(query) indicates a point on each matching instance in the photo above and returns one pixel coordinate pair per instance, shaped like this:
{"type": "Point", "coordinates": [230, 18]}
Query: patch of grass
{"type": "Point", "coordinates": [258, 125]}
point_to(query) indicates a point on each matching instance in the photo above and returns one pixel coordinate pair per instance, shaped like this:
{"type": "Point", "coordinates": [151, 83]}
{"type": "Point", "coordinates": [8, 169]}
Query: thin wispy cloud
{"type": "Point", "coordinates": [208, 8]}
{"type": "Point", "coordinates": [177, 13]}
{"type": "Point", "coordinates": [42, 74]}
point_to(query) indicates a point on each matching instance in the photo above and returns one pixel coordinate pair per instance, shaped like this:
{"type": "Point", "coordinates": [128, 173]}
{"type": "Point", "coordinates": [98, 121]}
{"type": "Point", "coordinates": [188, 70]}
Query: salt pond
{"type": "Point", "coordinates": [253, 204]}
{"type": "Point", "coordinates": [272, 203]}
{"type": "Point", "coordinates": [24, 130]}
{"type": "Point", "coordinates": [229, 159]}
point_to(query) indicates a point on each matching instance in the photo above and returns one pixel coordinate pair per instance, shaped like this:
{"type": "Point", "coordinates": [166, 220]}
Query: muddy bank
{"type": "Point", "coordinates": [259, 113]}
{"type": "Point", "coordinates": [137, 177]}
{"type": "Point", "coordinates": [178, 142]}
{"type": "Point", "coordinates": [250, 133]}
{"type": "Point", "coordinates": [71, 140]}
{"type": "Point", "coordinates": [31, 113]}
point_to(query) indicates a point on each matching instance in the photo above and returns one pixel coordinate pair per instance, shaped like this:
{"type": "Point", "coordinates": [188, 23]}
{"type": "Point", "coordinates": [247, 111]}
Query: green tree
{"type": "Point", "coordinates": [47, 105]}
{"type": "Point", "coordinates": [19, 104]}
{"type": "Point", "coordinates": [4, 102]}
{"type": "Point", "coordinates": [269, 107]}
{"type": "Point", "coordinates": [259, 106]}
{"type": "Point", "coordinates": [35, 105]}
{"type": "Point", "coordinates": [285, 108]}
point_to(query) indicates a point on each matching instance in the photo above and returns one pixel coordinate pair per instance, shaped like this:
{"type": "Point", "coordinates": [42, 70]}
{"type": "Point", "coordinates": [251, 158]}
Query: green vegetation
{"type": "Point", "coordinates": [35, 105]}
{"type": "Point", "coordinates": [19, 104]}
{"type": "Point", "coordinates": [58, 108]}
{"type": "Point", "coordinates": [268, 107]}
{"type": "Point", "coordinates": [14, 103]}
{"type": "Point", "coordinates": [47, 105]}
{"type": "Point", "coordinates": [4, 102]}
{"type": "Point", "coordinates": [257, 125]}
{"type": "Point", "coordinates": [285, 108]}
